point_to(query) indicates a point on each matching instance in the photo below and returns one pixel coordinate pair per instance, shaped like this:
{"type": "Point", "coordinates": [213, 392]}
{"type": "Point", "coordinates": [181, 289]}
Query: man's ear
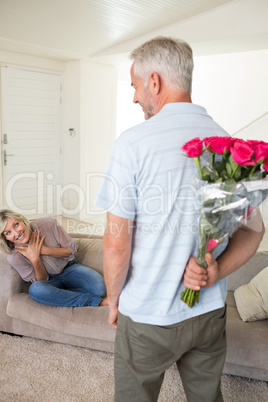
{"type": "Point", "coordinates": [155, 83]}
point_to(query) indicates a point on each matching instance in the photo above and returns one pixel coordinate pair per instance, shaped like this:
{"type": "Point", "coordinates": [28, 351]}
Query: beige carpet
{"type": "Point", "coordinates": [40, 371]}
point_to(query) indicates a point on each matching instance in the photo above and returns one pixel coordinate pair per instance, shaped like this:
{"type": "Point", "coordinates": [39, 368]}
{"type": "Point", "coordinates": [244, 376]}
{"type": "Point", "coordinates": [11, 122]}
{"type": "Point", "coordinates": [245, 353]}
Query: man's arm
{"type": "Point", "coordinates": [117, 242]}
{"type": "Point", "coordinates": [242, 246]}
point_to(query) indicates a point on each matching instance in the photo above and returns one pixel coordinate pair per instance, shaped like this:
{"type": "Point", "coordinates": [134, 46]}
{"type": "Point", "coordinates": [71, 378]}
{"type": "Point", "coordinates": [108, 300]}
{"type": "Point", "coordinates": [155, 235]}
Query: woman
{"type": "Point", "coordinates": [44, 254]}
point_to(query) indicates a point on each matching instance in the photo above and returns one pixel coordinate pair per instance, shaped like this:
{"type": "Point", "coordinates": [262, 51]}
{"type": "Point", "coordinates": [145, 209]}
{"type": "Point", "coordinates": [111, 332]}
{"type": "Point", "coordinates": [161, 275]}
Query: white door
{"type": "Point", "coordinates": [30, 103]}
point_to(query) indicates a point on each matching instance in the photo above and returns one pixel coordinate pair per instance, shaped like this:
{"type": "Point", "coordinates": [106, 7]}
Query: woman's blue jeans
{"type": "Point", "coordinates": [76, 286]}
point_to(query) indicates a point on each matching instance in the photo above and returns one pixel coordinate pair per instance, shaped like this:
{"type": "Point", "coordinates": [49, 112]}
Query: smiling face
{"type": "Point", "coordinates": [142, 95]}
{"type": "Point", "coordinates": [16, 231]}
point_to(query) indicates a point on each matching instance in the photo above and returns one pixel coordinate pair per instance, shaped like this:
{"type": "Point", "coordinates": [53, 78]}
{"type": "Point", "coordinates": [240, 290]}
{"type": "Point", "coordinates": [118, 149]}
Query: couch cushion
{"type": "Point", "coordinates": [245, 273]}
{"type": "Point", "coordinates": [89, 252]}
{"type": "Point", "coordinates": [252, 298]}
{"type": "Point", "coordinates": [87, 322]}
{"type": "Point", "coordinates": [230, 300]}
{"type": "Point", "coordinates": [247, 346]}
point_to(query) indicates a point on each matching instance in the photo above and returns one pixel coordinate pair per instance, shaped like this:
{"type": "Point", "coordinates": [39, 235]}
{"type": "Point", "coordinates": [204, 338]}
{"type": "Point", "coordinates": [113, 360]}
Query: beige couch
{"type": "Point", "coordinates": [247, 353]}
{"type": "Point", "coordinates": [80, 326]}
{"type": "Point", "coordinates": [247, 342]}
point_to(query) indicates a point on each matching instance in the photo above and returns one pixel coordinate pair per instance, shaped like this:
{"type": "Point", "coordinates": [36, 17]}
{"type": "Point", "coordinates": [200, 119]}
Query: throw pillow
{"type": "Point", "coordinates": [252, 298]}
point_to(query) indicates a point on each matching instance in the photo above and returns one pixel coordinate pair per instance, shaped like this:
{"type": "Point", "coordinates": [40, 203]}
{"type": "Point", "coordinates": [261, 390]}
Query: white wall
{"type": "Point", "coordinates": [71, 118]}
{"type": "Point", "coordinates": [90, 108]}
{"type": "Point", "coordinates": [233, 88]}
{"type": "Point", "coordinates": [128, 114]}
{"type": "Point", "coordinates": [99, 127]}
{"type": "Point", "coordinates": [257, 129]}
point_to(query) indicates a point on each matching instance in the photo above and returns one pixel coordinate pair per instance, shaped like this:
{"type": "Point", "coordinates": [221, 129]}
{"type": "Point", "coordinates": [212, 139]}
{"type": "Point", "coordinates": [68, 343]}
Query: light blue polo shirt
{"type": "Point", "coordinates": [150, 180]}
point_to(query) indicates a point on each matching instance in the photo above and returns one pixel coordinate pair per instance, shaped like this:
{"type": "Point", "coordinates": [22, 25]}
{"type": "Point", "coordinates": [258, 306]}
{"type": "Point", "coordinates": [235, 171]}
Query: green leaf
{"type": "Point", "coordinates": [238, 174]}
{"type": "Point", "coordinates": [219, 166]}
{"type": "Point", "coordinates": [206, 171]}
{"type": "Point", "coordinates": [225, 175]}
{"type": "Point", "coordinates": [232, 161]}
{"type": "Point", "coordinates": [229, 169]}
{"type": "Point", "coordinates": [215, 175]}
{"type": "Point", "coordinates": [207, 178]}
{"type": "Point", "coordinates": [229, 183]}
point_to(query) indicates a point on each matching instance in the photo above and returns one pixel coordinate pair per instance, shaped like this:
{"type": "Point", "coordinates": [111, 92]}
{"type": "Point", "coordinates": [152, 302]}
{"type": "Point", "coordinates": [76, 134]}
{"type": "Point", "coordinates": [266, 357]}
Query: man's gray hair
{"type": "Point", "coordinates": [171, 59]}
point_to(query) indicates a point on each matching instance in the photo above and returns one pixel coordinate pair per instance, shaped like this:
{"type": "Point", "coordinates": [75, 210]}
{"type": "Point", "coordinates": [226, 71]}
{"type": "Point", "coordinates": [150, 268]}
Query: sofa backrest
{"type": "Point", "coordinates": [89, 252]}
{"type": "Point", "coordinates": [245, 273]}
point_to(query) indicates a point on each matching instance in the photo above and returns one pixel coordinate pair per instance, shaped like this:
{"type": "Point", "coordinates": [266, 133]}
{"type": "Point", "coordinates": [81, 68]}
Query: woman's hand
{"type": "Point", "coordinates": [33, 250]}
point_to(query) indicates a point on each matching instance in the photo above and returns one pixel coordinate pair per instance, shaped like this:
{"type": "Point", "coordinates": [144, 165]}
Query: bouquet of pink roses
{"type": "Point", "coordinates": [231, 187]}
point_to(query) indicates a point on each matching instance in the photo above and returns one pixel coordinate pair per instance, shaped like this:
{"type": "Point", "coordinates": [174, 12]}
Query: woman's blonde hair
{"type": "Point", "coordinates": [5, 245]}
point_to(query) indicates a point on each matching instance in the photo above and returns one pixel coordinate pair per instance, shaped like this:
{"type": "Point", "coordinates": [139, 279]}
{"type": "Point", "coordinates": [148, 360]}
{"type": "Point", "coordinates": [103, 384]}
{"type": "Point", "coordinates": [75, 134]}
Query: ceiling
{"type": "Point", "coordinates": [86, 29]}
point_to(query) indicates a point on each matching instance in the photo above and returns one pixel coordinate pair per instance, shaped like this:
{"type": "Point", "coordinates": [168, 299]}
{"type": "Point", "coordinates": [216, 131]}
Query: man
{"type": "Point", "coordinates": [151, 236]}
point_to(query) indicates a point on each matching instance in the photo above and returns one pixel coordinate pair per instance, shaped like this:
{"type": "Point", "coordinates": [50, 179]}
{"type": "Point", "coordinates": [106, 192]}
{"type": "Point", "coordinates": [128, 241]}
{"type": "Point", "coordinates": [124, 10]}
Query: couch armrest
{"type": "Point", "coordinates": [245, 273]}
{"type": "Point", "coordinates": [11, 283]}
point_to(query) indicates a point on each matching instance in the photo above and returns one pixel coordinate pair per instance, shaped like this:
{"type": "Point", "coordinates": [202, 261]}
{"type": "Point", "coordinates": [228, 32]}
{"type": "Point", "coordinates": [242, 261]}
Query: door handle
{"type": "Point", "coordinates": [5, 157]}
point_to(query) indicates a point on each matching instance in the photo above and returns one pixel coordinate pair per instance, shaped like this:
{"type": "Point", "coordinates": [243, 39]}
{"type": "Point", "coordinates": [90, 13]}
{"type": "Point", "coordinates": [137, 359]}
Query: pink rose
{"type": "Point", "coordinates": [265, 167]}
{"type": "Point", "coordinates": [261, 151]}
{"type": "Point", "coordinates": [218, 144]}
{"type": "Point", "coordinates": [193, 148]}
{"type": "Point", "coordinates": [242, 153]}
{"type": "Point", "coordinates": [253, 143]}
{"type": "Point", "coordinates": [212, 244]}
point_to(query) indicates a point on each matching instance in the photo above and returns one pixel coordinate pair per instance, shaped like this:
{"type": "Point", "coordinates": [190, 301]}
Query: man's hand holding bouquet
{"type": "Point", "coordinates": [232, 185]}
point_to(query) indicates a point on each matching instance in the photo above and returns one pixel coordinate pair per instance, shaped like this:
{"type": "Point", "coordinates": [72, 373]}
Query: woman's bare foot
{"type": "Point", "coordinates": [104, 302]}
